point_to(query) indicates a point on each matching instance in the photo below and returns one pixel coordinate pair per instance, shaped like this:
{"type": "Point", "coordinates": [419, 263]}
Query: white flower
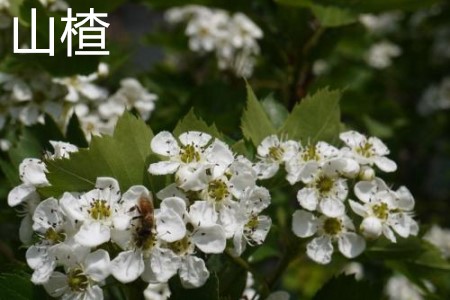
{"type": "Point", "coordinates": [327, 230]}
{"type": "Point", "coordinates": [440, 237]}
{"type": "Point", "coordinates": [367, 151]}
{"type": "Point", "coordinates": [62, 149]}
{"type": "Point", "coordinates": [324, 190]}
{"type": "Point", "coordinates": [95, 210]}
{"type": "Point", "coordinates": [399, 287]}
{"type": "Point", "coordinates": [81, 280]}
{"type": "Point", "coordinates": [193, 162]}
{"type": "Point", "coordinates": [384, 210]}
{"type": "Point", "coordinates": [307, 160]}
{"type": "Point", "coordinates": [243, 219]}
{"type": "Point", "coordinates": [382, 23]}
{"type": "Point", "coordinates": [273, 152]}
{"type": "Point", "coordinates": [32, 171]}
{"type": "Point", "coordinates": [380, 55]}
{"type": "Point", "coordinates": [185, 230]}
{"type": "Point", "coordinates": [79, 86]}
{"type": "Point", "coordinates": [130, 95]}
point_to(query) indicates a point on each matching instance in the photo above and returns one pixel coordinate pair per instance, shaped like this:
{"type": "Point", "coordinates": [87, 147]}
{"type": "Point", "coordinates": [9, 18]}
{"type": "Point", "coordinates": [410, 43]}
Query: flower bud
{"type": "Point", "coordinates": [371, 227]}
{"type": "Point", "coordinates": [366, 173]}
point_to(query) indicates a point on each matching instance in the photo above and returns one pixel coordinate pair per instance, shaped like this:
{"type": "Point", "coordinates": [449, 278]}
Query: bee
{"type": "Point", "coordinates": [144, 229]}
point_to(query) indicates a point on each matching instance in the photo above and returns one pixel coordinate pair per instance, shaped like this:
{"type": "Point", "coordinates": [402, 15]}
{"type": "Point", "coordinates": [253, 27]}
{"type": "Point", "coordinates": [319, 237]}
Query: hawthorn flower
{"type": "Point", "coordinates": [244, 221]}
{"type": "Point", "coordinates": [95, 211]}
{"type": "Point", "coordinates": [384, 210]}
{"type": "Point", "coordinates": [130, 95]}
{"type": "Point", "coordinates": [380, 55]}
{"type": "Point", "coordinates": [272, 152]}
{"type": "Point", "coordinates": [367, 151]}
{"type": "Point", "coordinates": [307, 159]}
{"type": "Point", "coordinates": [135, 233]}
{"type": "Point", "coordinates": [327, 230]}
{"type": "Point", "coordinates": [56, 244]}
{"type": "Point", "coordinates": [192, 160]}
{"type": "Point", "coordinates": [440, 237]}
{"type": "Point", "coordinates": [81, 280]}
{"type": "Point", "coordinates": [184, 230]}
{"type": "Point", "coordinates": [324, 191]}
{"type": "Point", "coordinates": [157, 291]}
{"type": "Point", "coordinates": [62, 149]}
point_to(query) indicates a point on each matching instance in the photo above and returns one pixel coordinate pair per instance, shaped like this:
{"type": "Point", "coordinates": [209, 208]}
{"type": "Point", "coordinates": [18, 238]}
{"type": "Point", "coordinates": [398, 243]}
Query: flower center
{"type": "Point", "coordinates": [252, 224]}
{"type": "Point", "coordinates": [309, 153]}
{"type": "Point", "coordinates": [276, 153]}
{"type": "Point", "coordinates": [100, 210]}
{"type": "Point", "coordinates": [77, 280]}
{"type": "Point", "coordinates": [181, 247]}
{"type": "Point", "coordinates": [381, 211]}
{"type": "Point", "coordinates": [324, 184]}
{"type": "Point", "coordinates": [55, 237]}
{"type": "Point", "coordinates": [144, 238]}
{"type": "Point", "coordinates": [189, 154]}
{"type": "Point", "coordinates": [218, 190]}
{"type": "Point", "coordinates": [365, 150]}
{"type": "Point", "coordinates": [332, 226]}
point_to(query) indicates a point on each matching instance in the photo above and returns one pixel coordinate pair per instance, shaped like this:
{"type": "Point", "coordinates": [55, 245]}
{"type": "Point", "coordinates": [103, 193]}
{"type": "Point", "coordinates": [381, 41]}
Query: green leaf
{"type": "Point", "coordinates": [122, 156]}
{"type": "Point", "coordinates": [209, 291]}
{"type": "Point", "coordinates": [346, 287]}
{"type": "Point", "coordinates": [18, 286]}
{"type": "Point", "coordinates": [255, 123]}
{"type": "Point", "coordinates": [331, 16]}
{"type": "Point", "coordinates": [315, 118]}
{"type": "Point", "coordinates": [192, 122]}
{"type": "Point", "coordinates": [275, 110]}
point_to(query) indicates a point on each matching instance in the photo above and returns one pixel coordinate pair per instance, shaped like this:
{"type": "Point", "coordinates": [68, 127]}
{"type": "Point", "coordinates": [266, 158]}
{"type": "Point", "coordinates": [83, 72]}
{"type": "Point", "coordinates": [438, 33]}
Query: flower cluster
{"type": "Point", "coordinates": [232, 38]}
{"type": "Point", "coordinates": [327, 176]}
{"type": "Point", "coordinates": [381, 54]}
{"type": "Point", "coordinates": [29, 95]}
{"type": "Point", "coordinates": [214, 199]}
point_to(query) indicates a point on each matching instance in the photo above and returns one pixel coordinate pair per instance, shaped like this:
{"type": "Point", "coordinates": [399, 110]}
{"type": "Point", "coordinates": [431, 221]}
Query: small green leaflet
{"type": "Point", "coordinates": [123, 156]}
{"type": "Point", "coordinates": [192, 122]}
{"type": "Point", "coordinates": [255, 123]}
{"type": "Point", "coordinates": [315, 118]}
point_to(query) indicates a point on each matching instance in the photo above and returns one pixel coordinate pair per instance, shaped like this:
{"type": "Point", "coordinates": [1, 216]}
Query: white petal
{"type": "Point", "coordinates": [57, 284]}
{"type": "Point", "coordinates": [202, 213]}
{"type": "Point", "coordinates": [165, 144]}
{"type": "Point", "coordinates": [92, 234]}
{"type": "Point", "coordinates": [389, 234]}
{"type": "Point", "coordinates": [170, 226]}
{"type": "Point", "coordinates": [320, 250]}
{"type": "Point", "coordinates": [401, 223]}
{"type": "Point", "coordinates": [220, 155]}
{"type": "Point", "coordinates": [385, 164]}
{"type": "Point", "coordinates": [255, 199]}
{"type": "Point", "coordinates": [93, 293]}
{"type": "Point", "coordinates": [193, 272]}
{"type": "Point", "coordinates": [157, 291]}
{"type": "Point", "coordinates": [193, 177]}
{"type": "Point", "coordinates": [351, 245]}
{"type": "Point", "coordinates": [366, 190]}
{"type": "Point", "coordinates": [21, 193]}
{"type": "Point", "coordinates": [352, 138]}
{"type": "Point", "coordinates": [32, 171]}
{"type": "Point", "coordinates": [304, 223]}
{"type": "Point", "coordinates": [97, 265]}
{"type": "Point", "coordinates": [239, 243]}
{"type": "Point", "coordinates": [71, 207]}
{"type": "Point", "coordinates": [358, 208]}
{"type": "Point", "coordinates": [332, 207]}
{"type": "Point", "coordinates": [163, 167]}
{"type": "Point", "coordinates": [266, 144]}
{"type": "Point", "coordinates": [127, 266]}
{"type": "Point", "coordinates": [308, 170]}
{"type": "Point", "coordinates": [171, 191]}
{"type": "Point", "coordinates": [346, 166]}
{"type": "Point", "coordinates": [326, 150]}
{"type": "Point", "coordinates": [210, 239]}
{"type": "Point", "coordinates": [307, 197]}
{"type": "Point", "coordinates": [175, 203]}
{"type": "Point", "coordinates": [123, 238]}
{"type": "Point", "coordinates": [108, 189]}
{"type": "Point", "coordinates": [196, 138]}
{"type": "Point", "coordinates": [164, 264]}
{"type": "Point", "coordinates": [378, 146]}
{"type": "Point", "coordinates": [405, 199]}
{"type": "Point", "coordinates": [371, 227]}
{"type": "Point", "coordinates": [47, 215]}
{"type": "Point", "coordinates": [266, 170]}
